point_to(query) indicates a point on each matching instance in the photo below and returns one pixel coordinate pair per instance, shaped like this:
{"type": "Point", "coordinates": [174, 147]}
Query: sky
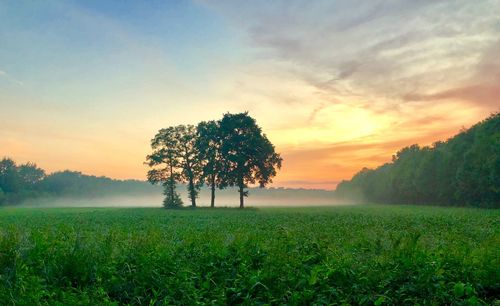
{"type": "Point", "coordinates": [335, 85]}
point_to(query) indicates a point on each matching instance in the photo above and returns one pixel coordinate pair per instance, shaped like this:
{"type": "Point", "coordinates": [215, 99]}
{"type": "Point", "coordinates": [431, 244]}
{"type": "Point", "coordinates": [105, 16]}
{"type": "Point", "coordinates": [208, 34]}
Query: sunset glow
{"type": "Point", "coordinates": [86, 85]}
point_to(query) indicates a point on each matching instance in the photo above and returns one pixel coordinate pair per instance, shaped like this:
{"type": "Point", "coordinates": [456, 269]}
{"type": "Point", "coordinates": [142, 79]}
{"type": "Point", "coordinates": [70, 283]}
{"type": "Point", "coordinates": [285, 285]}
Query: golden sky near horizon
{"type": "Point", "coordinates": [336, 85]}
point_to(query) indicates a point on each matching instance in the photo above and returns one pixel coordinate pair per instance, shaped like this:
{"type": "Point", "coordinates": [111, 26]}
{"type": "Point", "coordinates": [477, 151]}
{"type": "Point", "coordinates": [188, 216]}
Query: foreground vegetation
{"type": "Point", "coordinates": [354, 255]}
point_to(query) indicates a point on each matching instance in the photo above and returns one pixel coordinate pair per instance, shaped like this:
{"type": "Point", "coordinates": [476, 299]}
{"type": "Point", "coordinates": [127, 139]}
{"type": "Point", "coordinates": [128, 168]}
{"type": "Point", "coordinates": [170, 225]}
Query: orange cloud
{"type": "Point", "coordinates": [325, 165]}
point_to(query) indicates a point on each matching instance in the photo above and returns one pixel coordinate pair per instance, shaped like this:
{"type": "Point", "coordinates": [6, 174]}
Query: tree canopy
{"type": "Point", "coordinates": [248, 156]}
{"type": "Point", "coordinates": [465, 170]}
{"type": "Point", "coordinates": [165, 158]}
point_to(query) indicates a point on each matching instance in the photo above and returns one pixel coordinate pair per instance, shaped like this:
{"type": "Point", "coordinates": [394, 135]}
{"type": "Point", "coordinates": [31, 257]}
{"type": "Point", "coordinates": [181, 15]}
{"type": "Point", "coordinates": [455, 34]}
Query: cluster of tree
{"type": "Point", "coordinates": [229, 152]}
{"type": "Point", "coordinates": [464, 170]}
{"type": "Point", "coordinates": [21, 182]}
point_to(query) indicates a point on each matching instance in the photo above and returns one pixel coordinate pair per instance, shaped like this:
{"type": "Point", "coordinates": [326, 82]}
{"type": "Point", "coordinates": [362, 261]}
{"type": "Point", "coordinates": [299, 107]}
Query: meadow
{"type": "Point", "coordinates": [372, 255]}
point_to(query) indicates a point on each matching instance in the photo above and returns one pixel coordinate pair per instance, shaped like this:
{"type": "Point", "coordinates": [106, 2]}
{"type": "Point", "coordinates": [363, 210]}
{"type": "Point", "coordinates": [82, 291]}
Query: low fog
{"type": "Point", "coordinates": [266, 197]}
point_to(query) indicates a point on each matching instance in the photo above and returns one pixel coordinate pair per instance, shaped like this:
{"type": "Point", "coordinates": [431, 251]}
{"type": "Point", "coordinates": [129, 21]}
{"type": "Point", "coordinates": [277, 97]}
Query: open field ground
{"type": "Point", "coordinates": [342, 255]}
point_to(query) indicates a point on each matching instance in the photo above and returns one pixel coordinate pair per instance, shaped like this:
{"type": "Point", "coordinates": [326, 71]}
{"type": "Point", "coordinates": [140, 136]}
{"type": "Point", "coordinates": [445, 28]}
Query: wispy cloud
{"type": "Point", "coordinates": [382, 51]}
{"type": "Point", "coordinates": [9, 78]}
{"type": "Point", "coordinates": [482, 87]}
{"type": "Point", "coordinates": [482, 94]}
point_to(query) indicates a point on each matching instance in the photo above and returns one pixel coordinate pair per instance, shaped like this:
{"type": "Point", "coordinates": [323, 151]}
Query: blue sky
{"type": "Point", "coordinates": [336, 85]}
{"type": "Point", "coordinates": [45, 43]}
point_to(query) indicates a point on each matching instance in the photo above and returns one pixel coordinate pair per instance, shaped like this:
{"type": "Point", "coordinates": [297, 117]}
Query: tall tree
{"type": "Point", "coordinates": [174, 149]}
{"type": "Point", "coordinates": [209, 143]}
{"type": "Point", "coordinates": [190, 163]}
{"type": "Point", "coordinates": [165, 158]}
{"type": "Point", "coordinates": [248, 156]}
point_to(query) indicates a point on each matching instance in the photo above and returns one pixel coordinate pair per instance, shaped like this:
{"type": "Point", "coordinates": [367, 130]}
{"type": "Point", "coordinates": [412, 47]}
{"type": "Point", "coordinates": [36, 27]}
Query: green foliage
{"type": "Point", "coordinates": [19, 182]}
{"type": "Point", "coordinates": [229, 152]}
{"type": "Point", "coordinates": [175, 158]}
{"type": "Point", "coordinates": [357, 255]}
{"type": "Point", "coordinates": [248, 157]}
{"type": "Point", "coordinates": [465, 170]}
{"type": "Point", "coordinates": [172, 198]}
{"type": "Point", "coordinates": [208, 144]}
{"type": "Point", "coordinates": [192, 168]}
{"type": "Point", "coordinates": [10, 181]}
{"type": "Point", "coordinates": [30, 175]}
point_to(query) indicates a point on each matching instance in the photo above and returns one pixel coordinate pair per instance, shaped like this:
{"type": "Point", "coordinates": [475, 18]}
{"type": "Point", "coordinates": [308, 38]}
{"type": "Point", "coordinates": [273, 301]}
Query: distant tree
{"type": "Point", "coordinates": [65, 183]}
{"type": "Point", "coordinates": [30, 175]}
{"type": "Point", "coordinates": [165, 157]}
{"type": "Point", "coordinates": [10, 182]}
{"type": "Point", "coordinates": [21, 182]}
{"type": "Point", "coordinates": [209, 144]}
{"type": "Point", "coordinates": [405, 165]}
{"type": "Point", "coordinates": [248, 156]}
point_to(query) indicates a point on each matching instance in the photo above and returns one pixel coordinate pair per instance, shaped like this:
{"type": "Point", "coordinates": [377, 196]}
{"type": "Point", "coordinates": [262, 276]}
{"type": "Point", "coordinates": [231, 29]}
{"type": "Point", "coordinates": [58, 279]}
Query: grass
{"type": "Point", "coordinates": [374, 255]}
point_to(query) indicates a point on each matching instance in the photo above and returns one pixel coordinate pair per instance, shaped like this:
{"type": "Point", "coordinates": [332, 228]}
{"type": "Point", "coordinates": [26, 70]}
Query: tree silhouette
{"type": "Point", "coordinates": [229, 152]}
{"type": "Point", "coordinates": [165, 157]}
{"type": "Point", "coordinates": [208, 143]}
{"type": "Point", "coordinates": [248, 156]}
{"type": "Point", "coordinates": [177, 160]}
{"type": "Point", "coordinates": [190, 163]}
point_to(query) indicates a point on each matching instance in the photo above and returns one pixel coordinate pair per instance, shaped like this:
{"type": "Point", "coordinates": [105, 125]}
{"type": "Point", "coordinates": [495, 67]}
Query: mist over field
{"type": "Point", "coordinates": [267, 197]}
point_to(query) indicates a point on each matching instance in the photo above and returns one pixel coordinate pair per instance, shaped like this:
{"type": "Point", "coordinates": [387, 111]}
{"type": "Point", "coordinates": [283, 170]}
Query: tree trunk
{"type": "Point", "coordinates": [171, 188]}
{"type": "Point", "coordinates": [172, 181]}
{"type": "Point", "coordinates": [212, 185]}
{"type": "Point", "coordinates": [212, 200]}
{"type": "Point", "coordinates": [192, 193]}
{"type": "Point", "coordinates": [242, 195]}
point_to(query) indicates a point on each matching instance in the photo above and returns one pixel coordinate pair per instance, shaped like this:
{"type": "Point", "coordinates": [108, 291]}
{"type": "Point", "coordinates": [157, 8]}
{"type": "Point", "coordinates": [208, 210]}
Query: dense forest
{"type": "Point", "coordinates": [28, 181]}
{"type": "Point", "coordinates": [462, 171]}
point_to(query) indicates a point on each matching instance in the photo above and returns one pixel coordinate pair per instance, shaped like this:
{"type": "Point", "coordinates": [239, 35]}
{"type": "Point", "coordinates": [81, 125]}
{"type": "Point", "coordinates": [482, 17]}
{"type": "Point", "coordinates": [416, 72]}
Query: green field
{"type": "Point", "coordinates": [336, 255]}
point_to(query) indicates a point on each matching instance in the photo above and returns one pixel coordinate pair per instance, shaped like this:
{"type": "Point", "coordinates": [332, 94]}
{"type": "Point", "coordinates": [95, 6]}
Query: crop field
{"type": "Point", "coordinates": [374, 255]}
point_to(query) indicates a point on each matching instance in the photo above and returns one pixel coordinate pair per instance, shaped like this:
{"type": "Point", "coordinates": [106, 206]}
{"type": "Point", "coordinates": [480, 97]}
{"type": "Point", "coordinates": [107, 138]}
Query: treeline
{"type": "Point", "coordinates": [464, 170]}
{"type": "Point", "coordinates": [28, 181]}
{"type": "Point", "coordinates": [230, 152]}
